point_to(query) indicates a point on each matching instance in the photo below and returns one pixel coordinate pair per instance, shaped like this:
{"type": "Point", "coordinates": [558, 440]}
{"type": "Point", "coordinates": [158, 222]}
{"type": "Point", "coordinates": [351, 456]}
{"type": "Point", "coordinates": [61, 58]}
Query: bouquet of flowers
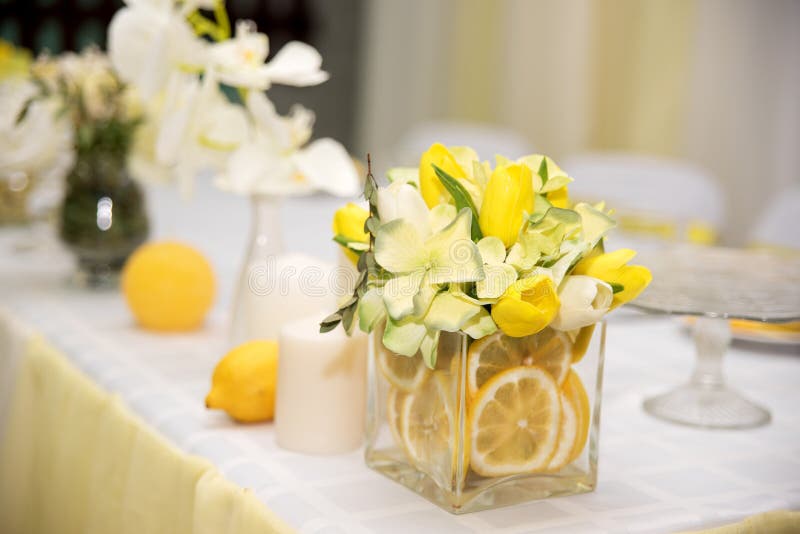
{"type": "Point", "coordinates": [103, 111]}
{"type": "Point", "coordinates": [205, 103]}
{"type": "Point", "coordinates": [458, 246]}
{"type": "Point", "coordinates": [482, 288]}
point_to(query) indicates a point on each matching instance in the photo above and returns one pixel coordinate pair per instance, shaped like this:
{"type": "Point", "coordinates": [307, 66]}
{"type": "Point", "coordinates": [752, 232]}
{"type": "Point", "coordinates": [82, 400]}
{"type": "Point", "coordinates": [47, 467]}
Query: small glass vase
{"type": "Point", "coordinates": [499, 421]}
{"type": "Point", "coordinates": [102, 218]}
{"type": "Point", "coordinates": [254, 301]}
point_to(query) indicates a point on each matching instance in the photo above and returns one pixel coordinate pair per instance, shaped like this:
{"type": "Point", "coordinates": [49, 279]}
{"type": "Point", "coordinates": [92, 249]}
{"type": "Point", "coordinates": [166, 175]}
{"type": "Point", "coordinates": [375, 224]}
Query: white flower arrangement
{"type": "Point", "coordinates": [162, 48]}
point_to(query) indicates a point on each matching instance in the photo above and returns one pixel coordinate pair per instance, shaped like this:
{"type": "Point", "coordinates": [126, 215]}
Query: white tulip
{"type": "Point", "coordinates": [584, 301]}
{"type": "Point", "coordinates": [240, 62]}
{"type": "Point", "coordinates": [403, 201]}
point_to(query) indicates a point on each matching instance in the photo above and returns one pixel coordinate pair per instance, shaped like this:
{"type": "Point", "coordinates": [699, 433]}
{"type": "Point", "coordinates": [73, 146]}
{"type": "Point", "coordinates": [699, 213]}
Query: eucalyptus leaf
{"type": "Point", "coordinates": [371, 225]}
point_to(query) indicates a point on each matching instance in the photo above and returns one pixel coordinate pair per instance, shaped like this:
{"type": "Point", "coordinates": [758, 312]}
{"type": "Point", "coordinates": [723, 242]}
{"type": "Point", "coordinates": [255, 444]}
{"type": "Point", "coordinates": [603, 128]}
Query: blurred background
{"type": "Point", "coordinates": [690, 110]}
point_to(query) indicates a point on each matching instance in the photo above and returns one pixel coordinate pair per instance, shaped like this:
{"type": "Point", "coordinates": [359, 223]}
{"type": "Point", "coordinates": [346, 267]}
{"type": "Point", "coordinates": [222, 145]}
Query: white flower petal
{"type": "Point", "coordinates": [399, 248]}
{"type": "Point", "coordinates": [404, 337]}
{"type": "Point", "coordinates": [296, 64]}
{"type": "Point", "coordinates": [498, 278]}
{"type": "Point", "coordinates": [584, 301]}
{"type": "Point", "coordinates": [492, 249]}
{"type": "Point", "coordinates": [327, 166]}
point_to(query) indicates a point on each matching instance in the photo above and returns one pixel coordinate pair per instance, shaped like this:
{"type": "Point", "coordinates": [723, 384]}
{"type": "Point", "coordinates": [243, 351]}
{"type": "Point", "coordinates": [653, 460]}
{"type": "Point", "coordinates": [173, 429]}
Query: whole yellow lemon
{"type": "Point", "coordinates": [244, 382]}
{"type": "Point", "coordinates": [169, 286]}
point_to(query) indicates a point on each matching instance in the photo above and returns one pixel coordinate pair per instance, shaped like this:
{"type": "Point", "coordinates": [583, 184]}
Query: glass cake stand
{"type": "Point", "coordinates": [714, 285]}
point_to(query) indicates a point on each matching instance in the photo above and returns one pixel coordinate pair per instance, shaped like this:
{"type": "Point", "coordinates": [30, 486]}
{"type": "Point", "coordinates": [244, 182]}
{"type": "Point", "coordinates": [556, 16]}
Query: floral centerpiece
{"type": "Point", "coordinates": [483, 289]}
{"type": "Point", "coordinates": [102, 218]}
{"type": "Point", "coordinates": [207, 110]}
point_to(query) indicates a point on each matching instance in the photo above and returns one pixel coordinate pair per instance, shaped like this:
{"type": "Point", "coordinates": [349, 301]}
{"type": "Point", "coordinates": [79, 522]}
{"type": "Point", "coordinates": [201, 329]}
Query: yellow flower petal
{"type": "Point", "coordinates": [612, 268]}
{"type": "Point", "coordinates": [527, 306]}
{"type": "Point", "coordinates": [559, 198]}
{"type": "Point", "coordinates": [508, 196]}
{"type": "Point", "coordinates": [603, 263]}
{"type": "Point", "coordinates": [431, 188]}
{"type": "Point", "coordinates": [348, 221]}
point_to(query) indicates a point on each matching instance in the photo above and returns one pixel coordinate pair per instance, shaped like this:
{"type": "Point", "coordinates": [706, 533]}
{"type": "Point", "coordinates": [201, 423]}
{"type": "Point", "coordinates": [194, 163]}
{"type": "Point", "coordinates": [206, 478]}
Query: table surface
{"type": "Point", "coordinates": [654, 477]}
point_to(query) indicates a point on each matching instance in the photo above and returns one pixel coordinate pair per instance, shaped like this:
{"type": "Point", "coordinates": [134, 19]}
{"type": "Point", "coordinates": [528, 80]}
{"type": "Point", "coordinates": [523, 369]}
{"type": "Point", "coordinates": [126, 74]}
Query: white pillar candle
{"type": "Point", "coordinates": [321, 392]}
{"type": "Point", "coordinates": [286, 288]}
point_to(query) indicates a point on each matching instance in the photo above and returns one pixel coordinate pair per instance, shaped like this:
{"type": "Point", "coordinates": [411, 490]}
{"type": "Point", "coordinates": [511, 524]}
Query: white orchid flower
{"type": "Point", "coordinates": [240, 61]}
{"type": "Point", "coordinates": [584, 301]}
{"type": "Point", "coordinates": [148, 39]}
{"type": "Point", "coordinates": [197, 127]}
{"type": "Point", "coordinates": [273, 160]}
{"type": "Point", "coordinates": [37, 147]}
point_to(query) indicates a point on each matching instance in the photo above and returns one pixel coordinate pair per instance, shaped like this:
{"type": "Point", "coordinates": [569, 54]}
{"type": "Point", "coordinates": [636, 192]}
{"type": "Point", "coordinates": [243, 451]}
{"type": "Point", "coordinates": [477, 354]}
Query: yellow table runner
{"type": "Point", "coordinates": [74, 459]}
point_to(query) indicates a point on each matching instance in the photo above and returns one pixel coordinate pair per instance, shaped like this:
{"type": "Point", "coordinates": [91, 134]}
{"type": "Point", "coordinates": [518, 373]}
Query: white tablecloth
{"type": "Point", "coordinates": [654, 477]}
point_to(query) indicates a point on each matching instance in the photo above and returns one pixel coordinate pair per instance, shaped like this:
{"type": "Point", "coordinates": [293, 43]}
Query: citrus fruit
{"type": "Point", "coordinates": [168, 286]}
{"type": "Point", "coordinates": [395, 401]}
{"type": "Point", "coordinates": [582, 341]}
{"type": "Point", "coordinates": [567, 434]}
{"type": "Point", "coordinates": [574, 391]}
{"type": "Point", "coordinates": [429, 428]}
{"type": "Point", "coordinates": [515, 421]}
{"type": "Point", "coordinates": [243, 384]}
{"type": "Point", "coordinates": [403, 372]}
{"type": "Point", "coordinates": [549, 349]}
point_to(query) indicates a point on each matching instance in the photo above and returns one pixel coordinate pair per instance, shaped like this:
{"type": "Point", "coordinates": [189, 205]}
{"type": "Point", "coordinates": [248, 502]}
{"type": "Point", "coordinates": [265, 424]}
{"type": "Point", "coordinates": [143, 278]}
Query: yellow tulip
{"type": "Point", "coordinates": [559, 198]}
{"type": "Point", "coordinates": [508, 196]}
{"type": "Point", "coordinates": [431, 188]}
{"type": "Point", "coordinates": [612, 268]}
{"type": "Point", "coordinates": [348, 221]}
{"type": "Point", "coordinates": [527, 306]}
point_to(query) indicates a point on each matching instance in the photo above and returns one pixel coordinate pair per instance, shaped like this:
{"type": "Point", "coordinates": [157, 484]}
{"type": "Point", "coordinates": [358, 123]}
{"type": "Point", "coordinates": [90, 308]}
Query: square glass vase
{"type": "Point", "coordinates": [499, 421]}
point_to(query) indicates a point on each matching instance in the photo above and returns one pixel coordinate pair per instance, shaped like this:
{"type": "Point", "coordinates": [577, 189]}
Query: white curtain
{"type": "Point", "coordinates": [713, 81]}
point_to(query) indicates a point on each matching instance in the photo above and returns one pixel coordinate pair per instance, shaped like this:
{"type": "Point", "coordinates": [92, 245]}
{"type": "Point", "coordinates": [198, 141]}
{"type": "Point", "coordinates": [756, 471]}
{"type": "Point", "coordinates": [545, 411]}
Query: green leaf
{"type": "Point", "coordinates": [462, 198]}
{"type": "Point", "coordinates": [542, 172]}
{"type": "Point", "coordinates": [617, 288]}
{"type": "Point", "coordinates": [356, 246]}
{"type": "Point", "coordinates": [371, 225]}
{"type": "Point", "coordinates": [348, 314]}
{"type": "Point", "coordinates": [330, 322]}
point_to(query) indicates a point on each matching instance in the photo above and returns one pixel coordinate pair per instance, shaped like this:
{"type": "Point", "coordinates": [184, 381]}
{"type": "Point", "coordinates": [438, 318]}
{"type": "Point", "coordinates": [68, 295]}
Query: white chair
{"type": "Point", "coordinates": [487, 140]}
{"type": "Point", "coordinates": [655, 199]}
{"type": "Point", "coordinates": [779, 225]}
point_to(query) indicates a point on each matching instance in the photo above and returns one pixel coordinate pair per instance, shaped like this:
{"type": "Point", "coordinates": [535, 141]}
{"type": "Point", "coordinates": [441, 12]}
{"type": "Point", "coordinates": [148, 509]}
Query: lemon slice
{"type": "Point", "coordinates": [429, 426]}
{"type": "Point", "coordinates": [567, 434]}
{"type": "Point", "coordinates": [403, 372]}
{"type": "Point", "coordinates": [515, 421]}
{"type": "Point", "coordinates": [581, 344]}
{"type": "Point", "coordinates": [550, 350]}
{"type": "Point", "coordinates": [394, 413]}
{"type": "Point", "coordinates": [574, 391]}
